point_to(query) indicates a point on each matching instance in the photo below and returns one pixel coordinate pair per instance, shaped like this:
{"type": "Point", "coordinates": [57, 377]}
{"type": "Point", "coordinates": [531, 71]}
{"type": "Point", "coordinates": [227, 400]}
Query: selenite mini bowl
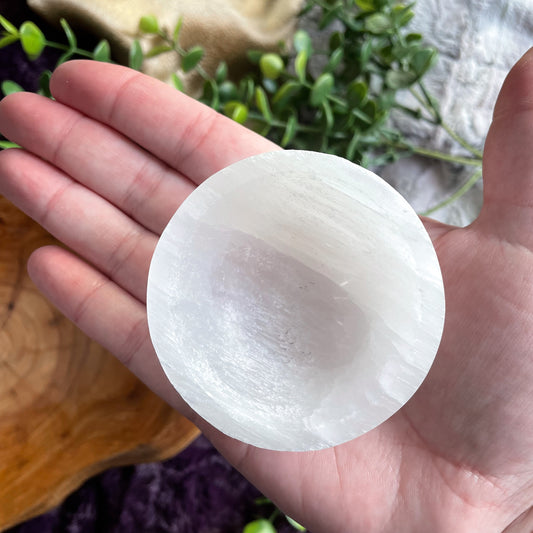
{"type": "Point", "coordinates": [295, 300]}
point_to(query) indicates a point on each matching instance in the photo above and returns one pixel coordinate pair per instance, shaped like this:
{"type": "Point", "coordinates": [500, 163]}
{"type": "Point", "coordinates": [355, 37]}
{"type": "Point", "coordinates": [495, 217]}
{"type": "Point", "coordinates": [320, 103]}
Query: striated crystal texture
{"type": "Point", "coordinates": [295, 300]}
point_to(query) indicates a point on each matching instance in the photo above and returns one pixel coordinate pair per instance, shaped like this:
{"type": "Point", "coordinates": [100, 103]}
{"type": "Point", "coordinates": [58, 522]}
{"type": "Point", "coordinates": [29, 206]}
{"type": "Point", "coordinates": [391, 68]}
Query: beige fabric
{"type": "Point", "coordinates": [225, 28]}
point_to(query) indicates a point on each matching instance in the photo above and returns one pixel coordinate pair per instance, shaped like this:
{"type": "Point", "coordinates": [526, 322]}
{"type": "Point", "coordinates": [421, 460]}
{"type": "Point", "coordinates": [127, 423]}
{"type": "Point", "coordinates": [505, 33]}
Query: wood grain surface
{"type": "Point", "coordinates": [68, 409]}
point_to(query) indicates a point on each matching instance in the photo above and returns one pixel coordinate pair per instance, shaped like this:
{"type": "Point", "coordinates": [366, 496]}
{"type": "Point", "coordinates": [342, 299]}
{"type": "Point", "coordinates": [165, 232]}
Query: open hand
{"type": "Point", "coordinates": [106, 165]}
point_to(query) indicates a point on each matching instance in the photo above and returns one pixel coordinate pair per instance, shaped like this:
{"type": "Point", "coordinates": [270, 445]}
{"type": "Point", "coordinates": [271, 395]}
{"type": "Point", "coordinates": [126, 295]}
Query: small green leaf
{"type": "Point", "coordinates": [210, 94]}
{"type": "Point", "coordinates": [356, 93]}
{"type": "Point", "coordinates": [8, 26]}
{"type": "Point", "coordinates": [295, 524]}
{"type": "Point", "coordinates": [321, 89]}
{"type": "Point", "coordinates": [177, 29]}
{"type": "Point", "coordinates": [32, 40]}
{"type": "Point", "coordinates": [378, 23]}
{"type": "Point", "coordinates": [388, 54]}
{"type": "Point", "coordinates": [399, 79]}
{"type": "Point", "coordinates": [300, 65]}
{"type": "Point", "coordinates": [259, 526]}
{"type": "Point", "coordinates": [406, 18]}
{"type": "Point", "coordinates": [237, 111]}
{"type": "Point", "coordinates": [352, 146]}
{"type": "Point", "coordinates": [270, 86]}
{"type": "Point", "coordinates": [262, 129]}
{"type": "Point", "coordinates": [136, 55]}
{"type": "Point", "coordinates": [222, 72]}
{"type": "Point", "coordinates": [102, 51]}
{"type": "Point", "coordinates": [413, 37]}
{"type": "Point", "coordinates": [371, 109]}
{"type": "Point", "coordinates": [302, 42]}
{"type": "Point", "coordinates": [192, 57]}
{"type": "Point", "coordinates": [366, 54]}
{"type": "Point", "coordinates": [366, 116]}
{"type": "Point", "coordinates": [178, 84]}
{"type": "Point", "coordinates": [149, 24]}
{"type": "Point", "coordinates": [336, 40]}
{"type": "Point", "coordinates": [410, 50]}
{"type": "Point", "coordinates": [271, 65]}
{"type": "Point", "coordinates": [44, 83]}
{"type": "Point", "coordinates": [285, 93]}
{"type": "Point", "coordinates": [246, 90]}
{"type": "Point", "coordinates": [402, 15]}
{"type": "Point", "coordinates": [228, 91]}
{"type": "Point", "coordinates": [8, 39]}
{"type": "Point", "coordinates": [423, 60]}
{"type": "Point", "coordinates": [329, 17]}
{"type": "Point", "coordinates": [10, 87]}
{"type": "Point", "coordinates": [335, 60]}
{"type": "Point", "coordinates": [363, 118]}
{"type": "Point", "coordinates": [290, 130]}
{"type": "Point", "coordinates": [365, 5]}
{"type": "Point", "coordinates": [254, 56]}
{"type": "Point", "coordinates": [261, 101]}
{"type": "Point", "coordinates": [4, 145]}
{"type": "Point", "coordinates": [71, 38]}
{"type": "Point", "coordinates": [158, 50]}
{"type": "Point", "coordinates": [328, 116]}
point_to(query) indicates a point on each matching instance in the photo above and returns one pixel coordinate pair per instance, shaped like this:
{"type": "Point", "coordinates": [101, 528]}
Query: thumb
{"type": "Point", "coordinates": [508, 158]}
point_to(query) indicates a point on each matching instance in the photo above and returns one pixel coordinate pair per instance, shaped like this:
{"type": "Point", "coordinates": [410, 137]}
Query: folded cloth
{"type": "Point", "coordinates": [478, 43]}
{"type": "Point", "coordinates": [226, 29]}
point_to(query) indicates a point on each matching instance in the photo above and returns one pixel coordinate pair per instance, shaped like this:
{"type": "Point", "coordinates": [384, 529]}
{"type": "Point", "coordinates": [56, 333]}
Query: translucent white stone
{"type": "Point", "coordinates": [295, 300]}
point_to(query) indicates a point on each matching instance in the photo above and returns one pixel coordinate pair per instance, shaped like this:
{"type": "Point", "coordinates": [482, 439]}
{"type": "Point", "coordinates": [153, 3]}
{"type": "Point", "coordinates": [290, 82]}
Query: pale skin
{"type": "Point", "coordinates": [106, 165]}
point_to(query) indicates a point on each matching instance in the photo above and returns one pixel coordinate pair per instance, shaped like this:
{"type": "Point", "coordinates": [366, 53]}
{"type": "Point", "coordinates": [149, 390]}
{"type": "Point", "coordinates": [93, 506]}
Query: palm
{"type": "Point", "coordinates": [459, 451]}
{"type": "Point", "coordinates": [463, 442]}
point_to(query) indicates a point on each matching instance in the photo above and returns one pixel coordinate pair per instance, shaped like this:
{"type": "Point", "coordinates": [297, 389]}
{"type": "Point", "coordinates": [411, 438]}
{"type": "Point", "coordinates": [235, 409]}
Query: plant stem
{"type": "Point", "coordinates": [428, 105]}
{"type": "Point", "coordinates": [274, 515]}
{"type": "Point", "coordinates": [465, 144]}
{"type": "Point", "coordinates": [181, 52]}
{"type": "Point", "coordinates": [280, 124]}
{"type": "Point", "coordinates": [4, 145]}
{"type": "Point", "coordinates": [65, 48]}
{"type": "Point", "coordinates": [456, 195]}
{"type": "Point", "coordinates": [424, 104]}
{"type": "Point", "coordinates": [413, 113]}
{"type": "Point", "coordinates": [434, 154]}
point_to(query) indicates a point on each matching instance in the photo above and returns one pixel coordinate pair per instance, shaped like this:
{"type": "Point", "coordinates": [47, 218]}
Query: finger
{"type": "Point", "coordinates": [508, 157]}
{"type": "Point", "coordinates": [187, 135]}
{"type": "Point", "coordinates": [84, 221]}
{"type": "Point", "coordinates": [104, 311]}
{"type": "Point", "coordinates": [115, 320]}
{"type": "Point", "coordinates": [96, 156]}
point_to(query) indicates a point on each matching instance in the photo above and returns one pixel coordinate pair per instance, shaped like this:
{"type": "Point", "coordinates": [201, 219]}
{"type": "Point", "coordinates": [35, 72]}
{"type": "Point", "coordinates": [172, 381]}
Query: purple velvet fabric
{"type": "Point", "coordinates": [196, 491]}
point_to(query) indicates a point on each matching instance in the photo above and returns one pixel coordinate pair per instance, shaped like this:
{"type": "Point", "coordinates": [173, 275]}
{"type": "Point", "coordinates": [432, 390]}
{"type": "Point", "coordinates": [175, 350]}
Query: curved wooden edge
{"type": "Point", "coordinates": [68, 409]}
{"type": "Point", "coordinates": [140, 454]}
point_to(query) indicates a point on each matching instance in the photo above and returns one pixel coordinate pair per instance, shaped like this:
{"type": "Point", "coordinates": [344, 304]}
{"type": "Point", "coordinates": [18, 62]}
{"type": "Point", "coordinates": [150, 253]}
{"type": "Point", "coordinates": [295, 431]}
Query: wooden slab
{"type": "Point", "coordinates": [68, 409]}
